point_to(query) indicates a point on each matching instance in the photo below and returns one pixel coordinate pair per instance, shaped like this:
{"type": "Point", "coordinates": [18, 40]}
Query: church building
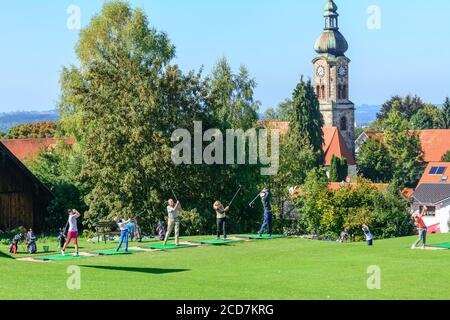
{"type": "Point", "coordinates": [331, 77]}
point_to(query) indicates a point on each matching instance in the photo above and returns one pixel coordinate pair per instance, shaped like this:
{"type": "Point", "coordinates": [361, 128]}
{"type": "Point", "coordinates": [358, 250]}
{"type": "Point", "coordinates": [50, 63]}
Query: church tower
{"type": "Point", "coordinates": [331, 77]}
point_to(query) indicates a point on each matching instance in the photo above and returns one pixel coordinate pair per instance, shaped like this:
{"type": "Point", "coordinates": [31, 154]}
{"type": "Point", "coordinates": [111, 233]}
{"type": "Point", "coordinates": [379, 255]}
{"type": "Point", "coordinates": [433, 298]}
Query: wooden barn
{"type": "Point", "coordinates": [23, 198]}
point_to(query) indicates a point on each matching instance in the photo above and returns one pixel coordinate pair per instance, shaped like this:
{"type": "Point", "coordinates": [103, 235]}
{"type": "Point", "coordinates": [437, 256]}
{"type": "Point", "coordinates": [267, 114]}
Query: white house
{"type": "Point", "coordinates": [436, 197]}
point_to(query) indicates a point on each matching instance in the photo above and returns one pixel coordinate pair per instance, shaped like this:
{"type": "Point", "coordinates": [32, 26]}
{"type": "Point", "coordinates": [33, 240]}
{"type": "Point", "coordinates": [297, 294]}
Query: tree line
{"type": "Point", "coordinates": [121, 105]}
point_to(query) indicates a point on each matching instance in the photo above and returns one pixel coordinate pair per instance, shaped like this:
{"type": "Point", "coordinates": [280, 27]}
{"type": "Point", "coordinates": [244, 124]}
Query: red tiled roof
{"type": "Point", "coordinates": [28, 148]}
{"type": "Point", "coordinates": [408, 192]}
{"type": "Point", "coordinates": [435, 144]}
{"type": "Point", "coordinates": [436, 178]}
{"type": "Point", "coordinates": [334, 143]}
{"type": "Point", "coordinates": [334, 186]}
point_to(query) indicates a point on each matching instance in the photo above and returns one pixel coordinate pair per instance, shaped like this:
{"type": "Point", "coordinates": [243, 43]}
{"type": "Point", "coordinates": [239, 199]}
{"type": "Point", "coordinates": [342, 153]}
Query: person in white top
{"type": "Point", "coordinates": [73, 231]}
{"type": "Point", "coordinates": [124, 233]}
{"type": "Point", "coordinates": [173, 210]}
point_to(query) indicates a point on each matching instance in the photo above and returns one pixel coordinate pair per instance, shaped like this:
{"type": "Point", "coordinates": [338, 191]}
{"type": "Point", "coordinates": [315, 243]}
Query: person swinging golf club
{"type": "Point", "coordinates": [173, 210]}
{"type": "Point", "coordinates": [265, 198]}
{"type": "Point", "coordinates": [73, 231]}
{"type": "Point", "coordinates": [422, 228]}
{"type": "Point", "coordinates": [221, 219]}
{"type": "Point", "coordinates": [124, 232]}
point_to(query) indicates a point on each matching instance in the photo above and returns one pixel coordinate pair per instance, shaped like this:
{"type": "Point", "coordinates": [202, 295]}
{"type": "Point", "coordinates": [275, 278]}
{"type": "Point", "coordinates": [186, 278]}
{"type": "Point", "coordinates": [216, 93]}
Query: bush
{"type": "Point", "coordinates": [191, 222]}
{"type": "Point", "coordinates": [327, 213]}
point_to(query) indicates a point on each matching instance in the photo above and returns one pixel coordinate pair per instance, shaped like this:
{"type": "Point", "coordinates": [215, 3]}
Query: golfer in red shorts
{"type": "Point", "coordinates": [73, 231]}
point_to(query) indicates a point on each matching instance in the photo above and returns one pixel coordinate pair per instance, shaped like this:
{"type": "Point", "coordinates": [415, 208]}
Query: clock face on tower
{"type": "Point", "coordinates": [321, 71]}
{"type": "Point", "coordinates": [342, 71]}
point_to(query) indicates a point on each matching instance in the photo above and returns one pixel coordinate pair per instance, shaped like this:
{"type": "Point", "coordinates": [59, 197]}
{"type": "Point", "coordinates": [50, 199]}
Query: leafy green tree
{"type": "Point", "coordinates": [60, 171]}
{"type": "Point", "coordinates": [446, 110]}
{"type": "Point", "coordinates": [407, 107]}
{"type": "Point", "coordinates": [446, 157]}
{"type": "Point", "coordinates": [338, 169]}
{"type": "Point", "coordinates": [430, 117]}
{"type": "Point", "coordinates": [45, 129]}
{"type": "Point", "coordinates": [374, 161]}
{"type": "Point", "coordinates": [405, 149]}
{"type": "Point", "coordinates": [114, 97]}
{"type": "Point", "coordinates": [281, 113]}
{"type": "Point", "coordinates": [232, 96]}
{"type": "Point", "coordinates": [306, 114]}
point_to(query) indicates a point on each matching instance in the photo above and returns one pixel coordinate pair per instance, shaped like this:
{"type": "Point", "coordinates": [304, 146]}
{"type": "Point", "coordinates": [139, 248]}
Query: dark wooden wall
{"type": "Point", "coordinates": [23, 200]}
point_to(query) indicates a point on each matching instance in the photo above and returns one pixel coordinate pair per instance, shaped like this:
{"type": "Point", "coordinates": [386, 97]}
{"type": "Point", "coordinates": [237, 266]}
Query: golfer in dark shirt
{"type": "Point", "coordinates": [265, 198]}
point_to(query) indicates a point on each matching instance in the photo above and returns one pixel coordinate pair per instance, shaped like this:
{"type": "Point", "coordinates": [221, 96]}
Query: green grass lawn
{"type": "Point", "coordinates": [273, 269]}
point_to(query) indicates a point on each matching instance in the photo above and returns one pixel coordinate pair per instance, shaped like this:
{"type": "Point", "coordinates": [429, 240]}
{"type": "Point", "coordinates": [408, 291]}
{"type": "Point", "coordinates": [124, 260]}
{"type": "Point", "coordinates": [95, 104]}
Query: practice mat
{"type": "Point", "coordinates": [442, 245]}
{"type": "Point", "coordinates": [58, 257]}
{"type": "Point", "coordinates": [264, 236]}
{"type": "Point", "coordinates": [168, 246]}
{"type": "Point", "coordinates": [113, 252]}
{"type": "Point", "coordinates": [216, 242]}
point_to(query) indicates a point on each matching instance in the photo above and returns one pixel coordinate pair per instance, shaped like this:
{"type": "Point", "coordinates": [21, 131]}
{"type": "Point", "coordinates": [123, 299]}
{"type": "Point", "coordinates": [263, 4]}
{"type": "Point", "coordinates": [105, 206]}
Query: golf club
{"type": "Point", "coordinates": [251, 203]}
{"type": "Point", "coordinates": [235, 195]}
{"type": "Point", "coordinates": [175, 196]}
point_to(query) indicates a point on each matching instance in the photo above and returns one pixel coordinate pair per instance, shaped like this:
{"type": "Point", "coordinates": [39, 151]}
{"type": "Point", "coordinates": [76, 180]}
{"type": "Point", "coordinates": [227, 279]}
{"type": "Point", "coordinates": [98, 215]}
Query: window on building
{"type": "Point", "coordinates": [323, 92]}
{"type": "Point", "coordinates": [431, 211]}
{"type": "Point", "coordinates": [437, 170]}
{"type": "Point", "coordinates": [344, 92]}
{"type": "Point", "coordinates": [318, 92]}
{"type": "Point", "coordinates": [343, 124]}
{"type": "Point", "coordinates": [339, 92]}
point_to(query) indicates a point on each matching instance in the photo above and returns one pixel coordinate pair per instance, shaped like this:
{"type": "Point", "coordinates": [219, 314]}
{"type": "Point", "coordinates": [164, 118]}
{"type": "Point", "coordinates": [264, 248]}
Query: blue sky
{"type": "Point", "coordinates": [274, 39]}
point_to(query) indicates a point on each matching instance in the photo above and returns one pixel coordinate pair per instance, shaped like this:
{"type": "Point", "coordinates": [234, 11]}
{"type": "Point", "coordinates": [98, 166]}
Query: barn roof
{"type": "Point", "coordinates": [4, 150]}
{"type": "Point", "coordinates": [28, 148]}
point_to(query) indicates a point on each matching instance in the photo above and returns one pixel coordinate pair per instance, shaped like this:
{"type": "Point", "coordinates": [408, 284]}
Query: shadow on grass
{"type": "Point", "coordinates": [4, 255]}
{"type": "Point", "coordinates": [141, 270]}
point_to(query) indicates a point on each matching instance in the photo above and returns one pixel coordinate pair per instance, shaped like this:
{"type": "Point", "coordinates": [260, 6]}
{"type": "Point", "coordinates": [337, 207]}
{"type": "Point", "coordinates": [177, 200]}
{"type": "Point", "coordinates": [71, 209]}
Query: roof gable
{"type": "Point", "coordinates": [9, 155]}
{"type": "Point", "coordinates": [334, 143]}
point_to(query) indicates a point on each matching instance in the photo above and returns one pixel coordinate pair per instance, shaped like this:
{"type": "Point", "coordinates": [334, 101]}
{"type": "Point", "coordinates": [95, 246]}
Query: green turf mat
{"type": "Point", "coordinates": [216, 242]}
{"type": "Point", "coordinates": [264, 236]}
{"type": "Point", "coordinates": [58, 257]}
{"type": "Point", "coordinates": [442, 245]}
{"type": "Point", "coordinates": [112, 252]}
{"type": "Point", "coordinates": [166, 247]}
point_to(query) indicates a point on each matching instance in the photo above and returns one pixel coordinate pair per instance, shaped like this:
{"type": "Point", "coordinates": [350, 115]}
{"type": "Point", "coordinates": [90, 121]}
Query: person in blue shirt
{"type": "Point", "coordinates": [266, 198]}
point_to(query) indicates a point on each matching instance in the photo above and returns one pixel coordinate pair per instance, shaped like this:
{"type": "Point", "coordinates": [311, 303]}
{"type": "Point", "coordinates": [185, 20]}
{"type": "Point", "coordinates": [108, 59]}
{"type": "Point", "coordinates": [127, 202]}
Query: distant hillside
{"type": "Point", "coordinates": [11, 119]}
{"type": "Point", "coordinates": [365, 114]}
